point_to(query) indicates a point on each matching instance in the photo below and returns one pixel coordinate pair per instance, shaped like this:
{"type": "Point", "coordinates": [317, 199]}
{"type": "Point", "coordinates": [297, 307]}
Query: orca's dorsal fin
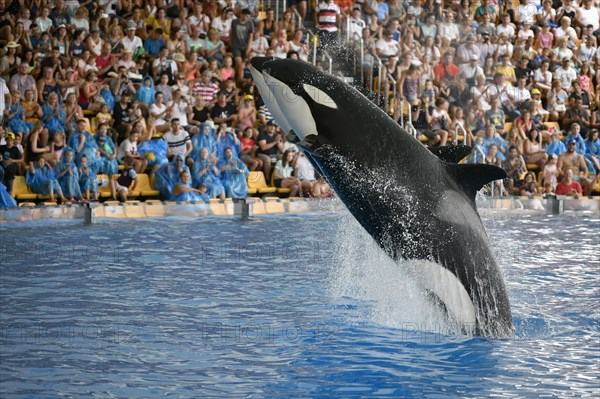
{"type": "Point", "coordinates": [451, 153]}
{"type": "Point", "coordinates": [472, 177]}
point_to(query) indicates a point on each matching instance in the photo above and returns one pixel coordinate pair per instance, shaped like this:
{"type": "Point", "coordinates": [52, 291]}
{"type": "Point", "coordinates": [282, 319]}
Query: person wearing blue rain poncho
{"type": "Point", "coordinates": [206, 173]}
{"type": "Point", "coordinates": [54, 114]}
{"type": "Point", "coordinates": [6, 201]}
{"type": "Point", "coordinates": [68, 176]}
{"type": "Point", "coordinates": [155, 151]}
{"type": "Point", "coordinates": [592, 151]}
{"type": "Point", "coordinates": [204, 139]}
{"type": "Point", "coordinates": [41, 180]}
{"type": "Point", "coordinates": [183, 191]}
{"type": "Point", "coordinates": [167, 176]}
{"type": "Point", "coordinates": [108, 152]}
{"type": "Point", "coordinates": [146, 93]}
{"type": "Point", "coordinates": [87, 181]}
{"type": "Point", "coordinates": [15, 119]}
{"type": "Point", "coordinates": [233, 175]}
{"type": "Point", "coordinates": [226, 138]}
{"type": "Point", "coordinates": [82, 143]}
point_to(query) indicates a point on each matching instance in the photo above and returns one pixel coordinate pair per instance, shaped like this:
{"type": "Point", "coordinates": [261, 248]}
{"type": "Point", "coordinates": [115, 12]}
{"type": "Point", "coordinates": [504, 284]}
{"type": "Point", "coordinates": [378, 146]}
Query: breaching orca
{"type": "Point", "coordinates": [417, 205]}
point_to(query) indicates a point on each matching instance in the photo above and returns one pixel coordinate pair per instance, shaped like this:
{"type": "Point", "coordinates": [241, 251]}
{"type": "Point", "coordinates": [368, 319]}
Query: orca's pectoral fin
{"type": "Point", "coordinates": [451, 153]}
{"type": "Point", "coordinates": [472, 177]}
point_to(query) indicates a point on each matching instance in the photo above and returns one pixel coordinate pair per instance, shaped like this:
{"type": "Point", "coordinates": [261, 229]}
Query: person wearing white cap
{"type": "Point", "coordinates": [470, 71]}
{"type": "Point", "coordinates": [131, 41]}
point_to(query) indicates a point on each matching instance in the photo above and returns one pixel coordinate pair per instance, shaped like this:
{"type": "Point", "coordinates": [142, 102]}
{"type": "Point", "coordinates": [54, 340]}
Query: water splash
{"type": "Point", "coordinates": [387, 293]}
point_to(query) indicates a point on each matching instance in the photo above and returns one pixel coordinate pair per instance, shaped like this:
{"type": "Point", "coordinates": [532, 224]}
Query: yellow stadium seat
{"type": "Point", "coordinates": [280, 190]}
{"type": "Point", "coordinates": [145, 188]}
{"type": "Point", "coordinates": [507, 127]}
{"type": "Point", "coordinates": [104, 191]}
{"type": "Point", "coordinates": [532, 166]}
{"type": "Point", "coordinates": [256, 180]}
{"type": "Point", "coordinates": [21, 190]}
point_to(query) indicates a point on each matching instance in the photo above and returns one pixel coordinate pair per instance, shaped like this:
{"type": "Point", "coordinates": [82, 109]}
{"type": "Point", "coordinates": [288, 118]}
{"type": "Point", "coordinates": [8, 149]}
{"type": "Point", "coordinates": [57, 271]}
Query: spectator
{"type": "Point", "coordinates": [126, 182]}
{"type": "Point", "coordinates": [206, 173]}
{"type": "Point", "coordinates": [87, 181]}
{"type": "Point", "coordinates": [515, 166]}
{"type": "Point", "coordinates": [327, 19]}
{"type": "Point", "coordinates": [556, 147]}
{"type": "Point", "coordinates": [108, 152]}
{"type": "Point", "coordinates": [269, 143]}
{"type": "Point", "coordinates": [128, 150]}
{"type": "Point", "coordinates": [41, 180]}
{"type": "Point", "coordinates": [183, 191]}
{"type": "Point", "coordinates": [233, 175]}
{"type": "Point", "coordinates": [550, 173]}
{"type": "Point", "coordinates": [569, 186]}
{"type": "Point", "coordinates": [592, 152]}
{"type": "Point", "coordinates": [67, 174]}
{"type": "Point", "coordinates": [532, 149]}
{"type": "Point", "coordinates": [178, 140]}
{"type": "Point", "coordinates": [10, 158]}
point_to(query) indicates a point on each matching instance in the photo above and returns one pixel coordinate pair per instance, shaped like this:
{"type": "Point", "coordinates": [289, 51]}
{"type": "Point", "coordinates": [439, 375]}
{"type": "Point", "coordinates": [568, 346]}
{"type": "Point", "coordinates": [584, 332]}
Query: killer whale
{"type": "Point", "coordinates": [418, 206]}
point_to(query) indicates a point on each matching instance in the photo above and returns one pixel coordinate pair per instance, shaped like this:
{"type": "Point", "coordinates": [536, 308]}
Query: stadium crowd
{"type": "Point", "coordinates": [125, 88]}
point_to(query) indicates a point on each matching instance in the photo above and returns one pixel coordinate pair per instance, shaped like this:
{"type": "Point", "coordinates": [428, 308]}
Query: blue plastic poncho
{"type": "Point", "coordinates": [158, 148]}
{"type": "Point", "coordinates": [17, 122]}
{"type": "Point", "coordinates": [53, 123]}
{"type": "Point", "coordinates": [226, 141]}
{"type": "Point", "coordinates": [88, 181]}
{"type": "Point", "coordinates": [214, 186]}
{"type": "Point", "coordinates": [592, 149]}
{"type": "Point", "coordinates": [108, 97]}
{"type": "Point", "coordinates": [233, 175]}
{"type": "Point", "coordinates": [90, 150]}
{"type": "Point", "coordinates": [6, 201]}
{"type": "Point", "coordinates": [556, 148]}
{"type": "Point", "coordinates": [68, 183]}
{"type": "Point", "coordinates": [42, 180]}
{"type": "Point", "coordinates": [190, 196]}
{"type": "Point", "coordinates": [167, 176]}
{"type": "Point", "coordinates": [203, 139]}
{"type": "Point", "coordinates": [146, 94]}
{"type": "Point", "coordinates": [106, 144]}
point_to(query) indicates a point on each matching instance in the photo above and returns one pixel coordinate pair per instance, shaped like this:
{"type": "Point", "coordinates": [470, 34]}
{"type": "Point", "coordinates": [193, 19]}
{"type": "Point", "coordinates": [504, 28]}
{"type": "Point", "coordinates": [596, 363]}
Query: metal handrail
{"type": "Point", "coordinates": [458, 127]}
{"type": "Point", "coordinates": [313, 36]}
{"type": "Point", "coordinates": [299, 17]}
{"type": "Point", "coordinates": [328, 57]}
{"type": "Point", "coordinates": [386, 97]}
{"type": "Point", "coordinates": [372, 75]}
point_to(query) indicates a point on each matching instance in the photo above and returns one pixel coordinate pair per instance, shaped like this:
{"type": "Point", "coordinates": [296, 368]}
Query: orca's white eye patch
{"type": "Point", "coordinates": [319, 96]}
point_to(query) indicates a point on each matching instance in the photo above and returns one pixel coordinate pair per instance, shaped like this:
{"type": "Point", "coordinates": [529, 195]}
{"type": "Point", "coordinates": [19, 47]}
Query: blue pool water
{"type": "Point", "coordinates": [284, 306]}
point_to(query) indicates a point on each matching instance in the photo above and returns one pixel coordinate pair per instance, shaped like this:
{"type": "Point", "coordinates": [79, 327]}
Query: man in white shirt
{"type": "Point", "coordinates": [178, 140]}
{"type": "Point", "coordinates": [506, 27]}
{"type": "Point", "coordinates": [387, 47]}
{"type": "Point", "coordinates": [180, 109]}
{"type": "Point", "coordinates": [470, 71]}
{"type": "Point", "coordinates": [449, 28]}
{"type": "Point", "coordinates": [565, 74]}
{"type": "Point", "coordinates": [356, 24]}
{"type": "Point", "coordinates": [131, 41]}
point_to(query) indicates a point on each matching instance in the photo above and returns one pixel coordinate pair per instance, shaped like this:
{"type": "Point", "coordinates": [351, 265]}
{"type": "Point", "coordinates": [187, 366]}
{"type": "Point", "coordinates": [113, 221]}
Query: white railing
{"type": "Point", "coordinates": [408, 126]}
{"type": "Point", "coordinates": [386, 98]}
{"type": "Point", "coordinates": [458, 127]}
{"type": "Point", "coordinates": [298, 17]}
{"type": "Point", "coordinates": [327, 57]}
{"type": "Point", "coordinates": [372, 75]}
